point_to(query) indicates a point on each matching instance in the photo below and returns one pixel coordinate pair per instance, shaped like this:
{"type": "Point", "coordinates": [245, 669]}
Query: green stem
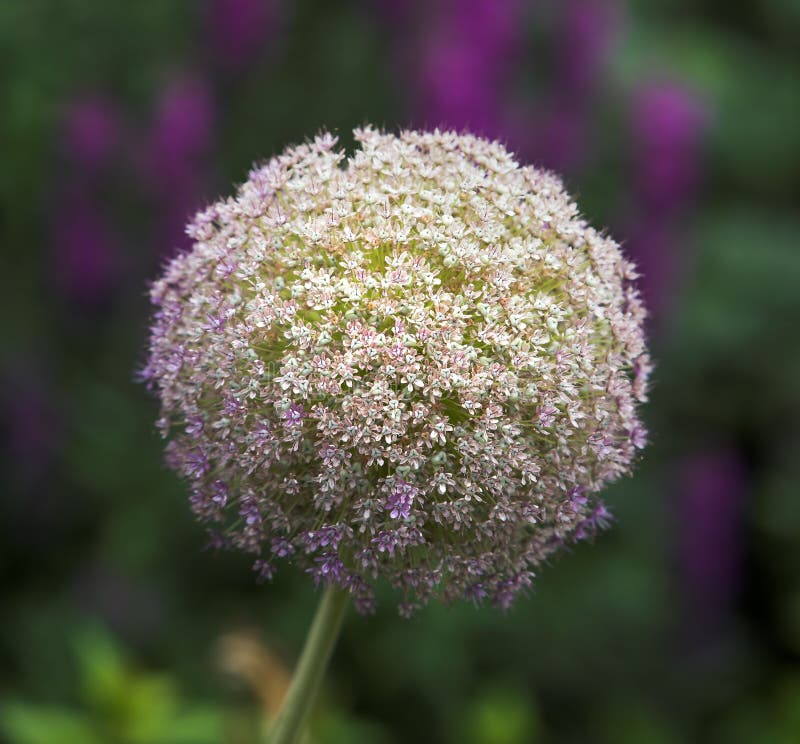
{"type": "Point", "coordinates": [307, 677]}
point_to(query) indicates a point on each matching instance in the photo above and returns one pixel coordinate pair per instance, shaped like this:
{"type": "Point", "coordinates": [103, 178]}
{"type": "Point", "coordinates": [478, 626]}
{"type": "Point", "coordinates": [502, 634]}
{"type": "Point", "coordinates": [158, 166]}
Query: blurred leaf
{"type": "Point", "coordinates": [23, 723]}
{"type": "Point", "coordinates": [774, 719]}
{"type": "Point", "coordinates": [776, 509]}
{"type": "Point", "coordinates": [500, 716]}
{"type": "Point", "coordinates": [789, 617]}
{"type": "Point", "coordinates": [630, 722]}
{"type": "Point", "coordinates": [101, 668]}
{"type": "Point", "coordinates": [336, 727]}
{"type": "Point", "coordinates": [742, 295]}
{"type": "Point", "coordinates": [194, 726]}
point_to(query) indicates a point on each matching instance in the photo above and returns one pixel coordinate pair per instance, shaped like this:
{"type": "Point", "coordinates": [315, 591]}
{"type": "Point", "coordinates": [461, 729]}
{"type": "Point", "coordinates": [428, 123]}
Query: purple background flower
{"type": "Point", "coordinates": [712, 499]}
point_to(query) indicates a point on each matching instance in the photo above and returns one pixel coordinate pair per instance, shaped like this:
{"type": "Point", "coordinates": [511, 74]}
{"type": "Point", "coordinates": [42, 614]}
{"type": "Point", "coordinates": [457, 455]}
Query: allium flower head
{"type": "Point", "coordinates": [416, 363]}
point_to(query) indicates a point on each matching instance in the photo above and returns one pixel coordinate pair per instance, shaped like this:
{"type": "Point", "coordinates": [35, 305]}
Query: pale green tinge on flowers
{"type": "Point", "coordinates": [415, 363]}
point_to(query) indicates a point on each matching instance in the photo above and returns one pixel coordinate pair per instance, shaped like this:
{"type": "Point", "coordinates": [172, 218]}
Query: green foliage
{"type": "Point", "coordinates": [500, 716]}
{"type": "Point", "coordinates": [116, 703]}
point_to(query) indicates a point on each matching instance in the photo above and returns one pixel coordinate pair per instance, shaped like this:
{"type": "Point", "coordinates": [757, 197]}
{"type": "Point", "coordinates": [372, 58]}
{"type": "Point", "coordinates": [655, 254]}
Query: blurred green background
{"type": "Point", "coordinates": [676, 125]}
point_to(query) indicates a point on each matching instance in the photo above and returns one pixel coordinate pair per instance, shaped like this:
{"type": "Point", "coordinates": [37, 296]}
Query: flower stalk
{"type": "Point", "coordinates": [304, 688]}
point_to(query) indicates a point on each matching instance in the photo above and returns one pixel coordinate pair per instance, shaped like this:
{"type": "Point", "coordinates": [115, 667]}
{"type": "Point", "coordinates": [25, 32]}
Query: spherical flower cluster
{"type": "Point", "coordinates": [416, 363]}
